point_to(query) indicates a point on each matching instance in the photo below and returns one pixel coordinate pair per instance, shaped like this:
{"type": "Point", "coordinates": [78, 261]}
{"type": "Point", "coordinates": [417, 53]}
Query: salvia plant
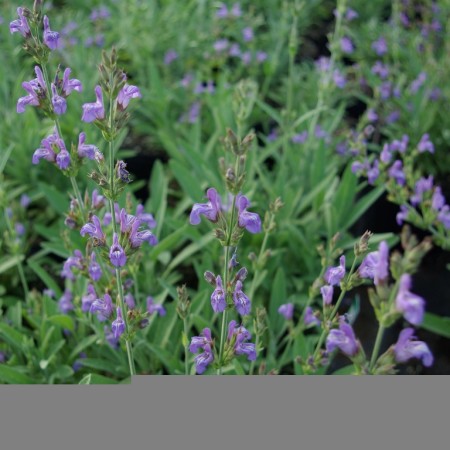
{"type": "Point", "coordinates": [268, 134]}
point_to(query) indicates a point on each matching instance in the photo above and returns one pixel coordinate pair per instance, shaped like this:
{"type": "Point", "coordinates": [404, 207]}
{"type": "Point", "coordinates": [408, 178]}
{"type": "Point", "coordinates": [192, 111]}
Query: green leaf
{"type": "Point", "coordinates": [63, 321]}
{"type": "Point", "coordinates": [94, 378]}
{"type": "Point", "coordinates": [99, 364]}
{"type": "Point", "coordinates": [83, 344]}
{"type": "Point", "coordinates": [347, 370]}
{"type": "Point", "coordinates": [63, 372]}
{"type": "Point", "coordinates": [12, 337]}
{"type": "Point", "coordinates": [10, 261]}
{"type": "Point", "coordinates": [45, 277]}
{"type": "Point", "coordinates": [188, 181]}
{"type": "Point", "coordinates": [12, 376]}
{"type": "Point", "coordinates": [4, 157]}
{"type": "Point", "coordinates": [277, 298]}
{"type": "Point", "coordinates": [55, 198]}
{"type": "Point", "coordinates": [437, 324]}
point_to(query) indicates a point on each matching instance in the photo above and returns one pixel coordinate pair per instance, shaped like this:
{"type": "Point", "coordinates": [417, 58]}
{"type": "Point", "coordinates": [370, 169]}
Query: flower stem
{"type": "Point", "coordinates": [186, 347]}
{"type": "Point", "coordinates": [224, 316]}
{"type": "Point", "coordinates": [376, 347]}
{"type": "Point", "coordinates": [335, 309]}
{"type": "Point", "coordinates": [118, 274]}
{"type": "Point", "coordinates": [23, 280]}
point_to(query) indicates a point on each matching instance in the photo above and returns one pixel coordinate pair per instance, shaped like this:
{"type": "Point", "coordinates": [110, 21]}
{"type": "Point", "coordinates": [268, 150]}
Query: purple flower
{"type": "Point", "coordinates": [246, 58]}
{"type": "Point", "coordinates": [88, 299]}
{"type": "Point", "coordinates": [94, 229]}
{"type": "Point", "coordinates": [396, 172]}
{"type": "Point", "coordinates": [247, 34]}
{"type": "Point", "coordinates": [210, 210]}
{"type": "Point", "coordinates": [205, 343]}
{"type": "Point", "coordinates": [20, 25]}
{"type": "Point", "coordinates": [380, 46]}
{"type": "Point", "coordinates": [444, 216]}
{"type": "Point", "coordinates": [95, 271]}
{"type": "Point", "coordinates": [323, 64]}
{"type": "Point", "coordinates": [234, 50]}
{"type": "Point", "coordinates": [118, 326]}
{"type": "Point", "coordinates": [334, 275]}
{"type": "Point", "coordinates": [402, 215]}
{"type": "Point", "coordinates": [344, 339]}
{"type": "Point", "coordinates": [36, 89]}
{"type": "Point", "coordinates": [153, 307]}
{"type": "Point", "coordinates": [103, 307]}
{"type": "Point", "coordinates": [147, 218]}
{"type": "Point", "coordinates": [410, 305]}
{"type": "Point", "coordinates": [51, 38]}
{"type": "Point", "coordinates": [422, 185]}
{"type": "Point", "coordinates": [94, 111]}
{"type": "Point", "coordinates": [100, 13]}
{"type": "Point", "coordinates": [24, 201]}
{"type": "Point", "coordinates": [373, 173]}
{"type": "Point", "coordinates": [407, 348]}
{"type": "Point", "coordinates": [372, 116]}
{"type": "Point", "coordinates": [438, 200]}
{"type": "Point", "coordinates": [63, 158]}
{"type": "Point", "coordinates": [117, 255]}
{"type": "Point", "coordinates": [170, 56]}
{"type": "Point", "coordinates": [400, 146]}
{"type": "Point", "coordinates": [19, 228]}
{"type": "Point", "coordinates": [380, 69]}
{"type": "Point", "coordinates": [221, 45]}
{"type": "Point", "coordinates": [287, 310]}
{"type": "Point", "coordinates": [65, 302]}
{"type": "Point", "coordinates": [86, 150]}
{"type": "Point", "coordinates": [236, 10]}
{"type": "Point", "coordinates": [347, 45]}
{"type": "Point", "coordinates": [385, 90]}
{"type": "Point", "coordinates": [418, 82]}
{"type": "Point", "coordinates": [339, 79]}
{"type": "Point", "coordinates": [241, 335]}
{"type": "Point", "coordinates": [393, 116]}
{"type": "Point", "coordinates": [73, 261]}
{"type": "Point", "coordinates": [248, 220]}
{"type": "Point", "coordinates": [49, 293]}
{"type": "Point", "coordinates": [129, 300]}
{"type": "Point", "coordinates": [327, 294]}
{"type": "Point", "coordinates": [309, 317]}
{"type": "Point", "coordinates": [58, 102]}
{"type": "Point", "coordinates": [138, 237]}
{"type": "Point", "coordinates": [241, 301]}
{"type": "Point", "coordinates": [222, 12]}
{"type": "Point", "coordinates": [110, 338]}
{"type": "Point", "coordinates": [300, 138]}
{"type": "Point", "coordinates": [425, 145]}
{"type": "Point", "coordinates": [351, 14]}
{"type": "Point", "coordinates": [376, 264]}
{"type": "Point", "coordinates": [218, 301]}
{"type": "Point", "coordinates": [261, 56]}
{"type": "Point", "coordinates": [126, 94]}
{"type": "Point", "coordinates": [70, 85]}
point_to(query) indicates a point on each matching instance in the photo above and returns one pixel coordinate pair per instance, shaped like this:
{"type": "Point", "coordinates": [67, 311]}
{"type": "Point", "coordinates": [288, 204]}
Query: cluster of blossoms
{"type": "Point", "coordinates": [390, 303]}
{"type": "Point", "coordinates": [235, 345]}
{"type": "Point", "coordinates": [421, 202]}
{"type": "Point", "coordinates": [230, 220]}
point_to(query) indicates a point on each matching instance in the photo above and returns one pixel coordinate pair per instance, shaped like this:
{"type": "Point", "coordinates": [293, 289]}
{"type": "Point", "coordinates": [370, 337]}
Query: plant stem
{"type": "Point", "coordinates": [252, 364]}
{"type": "Point", "coordinates": [376, 347]}
{"type": "Point", "coordinates": [224, 316]}
{"type": "Point", "coordinates": [23, 280]}
{"type": "Point", "coordinates": [118, 274]}
{"type": "Point", "coordinates": [186, 353]}
{"type": "Point", "coordinates": [334, 311]}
